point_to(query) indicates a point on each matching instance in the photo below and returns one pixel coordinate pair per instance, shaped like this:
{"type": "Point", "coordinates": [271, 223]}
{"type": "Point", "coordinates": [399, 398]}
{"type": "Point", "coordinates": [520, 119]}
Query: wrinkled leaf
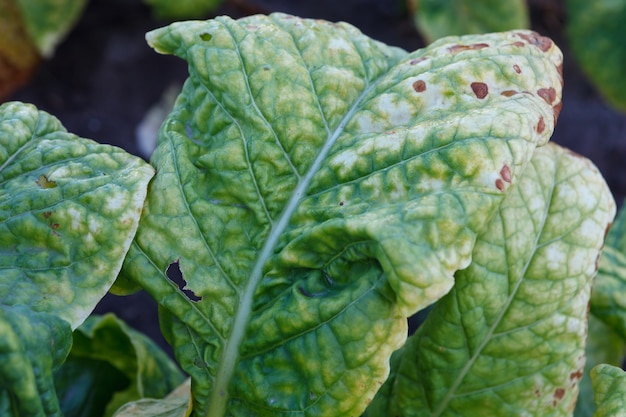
{"type": "Point", "coordinates": [18, 54]}
{"type": "Point", "coordinates": [48, 21]}
{"type": "Point", "coordinates": [182, 9]}
{"type": "Point", "coordinates": [69, 208]}
{"type": "Point", "coordinates": [595, 31]}
{"type": "Point", "coordinates": [509, 337]}
{"type": "Point", "coordinates": [317, 187]}
{"type": "Point", "coordinates": [438, 18]}
{"type": "Point", "coordinates": [32, 346]}
{"type": "Point", "coordinates": [176, 404]}
{"type": "Point", "coordinates": [603, 346]}
{"type": "Point", "coordinates": [104, 342]}
{"type": "Point", "coordinates": [609, 386]}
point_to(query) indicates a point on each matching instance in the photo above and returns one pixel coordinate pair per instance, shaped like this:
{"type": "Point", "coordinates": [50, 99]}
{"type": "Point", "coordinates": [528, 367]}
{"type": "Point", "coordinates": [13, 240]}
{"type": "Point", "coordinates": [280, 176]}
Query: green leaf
{"type": "Point", "coordinates": [596, 34]}
{"type": "Point", "coordinates": [69, 209]}
{"type": "Point", "coordinates": [182, 9]}
{"type": "Point", "coordinates": [603, 346]}
{"type": "Point", "coordinates": [509, 337]}
{"type": "Point", "coordinates": [609, 290]}
{"type": "Point", "coordinates": [48, 21]}
{"type": "Point", "coordinates": [317, 187]}
{"type": "Point", "coordinates": [32, 346]}
{"type": "Point", "coordinates": [608, 386]}
{"type": "Point", "coordinates": [438, 18]}
{"type": "Point", "coordinates": [176, 404]}
{"type": "Point", "coordinates": [106, 349]}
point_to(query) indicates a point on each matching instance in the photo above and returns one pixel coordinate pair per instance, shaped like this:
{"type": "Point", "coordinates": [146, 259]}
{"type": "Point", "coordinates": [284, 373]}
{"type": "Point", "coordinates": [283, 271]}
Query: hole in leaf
{"type": "Point", "coordinates": [206, 36]}
{"type": "Point", "coordinates": [176, 276]}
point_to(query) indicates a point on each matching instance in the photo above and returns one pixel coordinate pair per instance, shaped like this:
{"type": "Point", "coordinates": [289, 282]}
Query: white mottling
{"type": "Point", "coordinates": [367, 123]}
{"type": "Point", "coordinates": [396, 111]}
{"type": "Point", "coordinates": [429, 184]}
{"type": "Point", "coordinates": [116, 202]}
{"type": "Point", "coordinates": [60, 172]}
{"type": "Point", "coordinates": [75, 216]}
{"type": "Point", "coordinates": [589, 228]}
{"type": "Point", "coordinates": [94, 226]}
{"type": "Point", "coordinates": [344, 161]}
{"type": "Point", "coordinates": [340, 44]}
{"type": "Point", "coordinates": [555, 256]}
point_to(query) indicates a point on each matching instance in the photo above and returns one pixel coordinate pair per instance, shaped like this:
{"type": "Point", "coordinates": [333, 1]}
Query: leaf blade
{"type": "Point", "coordinates": [258, 191]}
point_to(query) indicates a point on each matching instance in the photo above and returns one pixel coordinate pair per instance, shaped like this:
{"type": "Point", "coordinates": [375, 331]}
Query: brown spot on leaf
{"type": "Point", "coordinates": [505, 173]}
{"type": "Point", "coordinates": [47, 214]}
{"type": "Point", "coordinates": [518, 44]}
{"type": "Point", "coordinates": [55, 226]}
{"type": "Point", "coordinates": [480, 89]}
{"type": "Point", "coordinates": [508, 93]}
{"type": "Point", "coordinates": [548, 94]}
{"type": "Point", "coordinates": [517, 69]}
{"type": "Point", "coordinates": [541, 125]}
{"type": "Point", "coordinates": [576, 375]}
{"type": "Point", "coordinates": [559, 393]}
{"type": "Point", "coordinates": [417, 60]}
{"type": "Point", "coordinates": [500, 184]}
{"type": "Point", "coordinates": [341, 203]}
{"type": "Point", "coordinates": [419, 86]}
{"type": "Point", "coordinates": [44, 182]}
{"type": "Point", "coordinates": [474, 46]}
{"type": "Point", "coordinates": [539, 41]}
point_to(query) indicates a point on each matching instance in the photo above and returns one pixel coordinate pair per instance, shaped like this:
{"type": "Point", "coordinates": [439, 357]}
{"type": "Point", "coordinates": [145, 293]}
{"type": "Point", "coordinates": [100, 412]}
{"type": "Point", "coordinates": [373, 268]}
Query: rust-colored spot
{"type": "Point", "coordinates": [47, 214]}
{"type": "Point", "coordinates": [480, 89]}
{"type": "Point", "coordinates": [548, 94]}
{"type": "Point", "coordinates": [474, 46]}
{"type": "Point", "coordinates": [539, 41]}
{"type": "Point", "coordinates": [517, 69]}
{"type": "Point", "coordinates": [541, 125]}
{"type": "Point", "coordinates": [518, 44]}
{"type": "Point", "coordinates": [505, 173]}
{"type": "Point", "coordinates": [508, 93]}
{"type": "Point", "coordinates": [417, 60]}
{"type": "Point", "coordinates": [576, 375]}
{"type": "Point", "coordinates": [559, 393]}
{"type": "Point", "coordinates": [419, 86]}
{"type": "Point", "coordinates": [55, 226]}
{"type": "Point", "coordinates": [500, 184]}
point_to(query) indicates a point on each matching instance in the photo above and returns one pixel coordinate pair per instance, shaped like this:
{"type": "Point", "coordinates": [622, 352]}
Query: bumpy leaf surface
{"type": "Point", "coordinates": [32, 346]}
{"type": "Point", "coordinates": [438, 18]}
{"type": "Point", "coordinates": [596, 33]}
{"type": "Point", "coordinates": [69, 209]}
{"type": "Point", "coordinates": [144, 370]}
{"type": "Point", "coordinates": [608, 385]}
{"type": "Point", "coordinates": [509, 339]}
{"type": "Point", "coordinates": [317, 187]}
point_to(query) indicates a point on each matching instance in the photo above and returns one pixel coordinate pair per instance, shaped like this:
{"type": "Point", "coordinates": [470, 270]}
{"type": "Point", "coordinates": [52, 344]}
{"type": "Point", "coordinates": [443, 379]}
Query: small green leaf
{"type": "Point", "coordinates": [609, 387]}
{"type": "Point", "coordinates": [608, 296]}
{"type": "Point", "coordinates": [509, 338]}
{"type": "Point", "coordinates": [48, 21]}
{"type": "Point", "coordinates": [182, 9]}
{"type": "Point", "coordinates": [316, 187]}
{"type": "Point", "coordinates": [176, 404]}
{"type": "Point", "coordinates": [438, 18]}
{"type": "Point", "coordinates": [69, 209]}
{"type": "Point", "coordinates": [595, 31]}
{"type": "Point", "coordinates": [139, 368]}
{"type": "Point", "coordinates": [32, 346]}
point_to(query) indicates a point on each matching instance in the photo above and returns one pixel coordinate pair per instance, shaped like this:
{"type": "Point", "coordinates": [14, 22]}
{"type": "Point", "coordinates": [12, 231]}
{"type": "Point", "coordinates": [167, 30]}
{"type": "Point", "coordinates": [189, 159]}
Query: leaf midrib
{"type": "Point", "coordinates": [230, 356]}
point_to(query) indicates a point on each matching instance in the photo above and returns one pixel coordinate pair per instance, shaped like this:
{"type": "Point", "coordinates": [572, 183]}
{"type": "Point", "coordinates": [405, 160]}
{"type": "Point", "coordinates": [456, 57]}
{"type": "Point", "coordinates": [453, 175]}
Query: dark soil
{"type": "Point", "coordinates": [104, 78]}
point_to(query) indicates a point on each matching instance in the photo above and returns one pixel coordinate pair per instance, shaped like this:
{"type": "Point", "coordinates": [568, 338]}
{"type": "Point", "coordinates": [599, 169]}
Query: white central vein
{"type": "Point", "coordinates": [230, 354]}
